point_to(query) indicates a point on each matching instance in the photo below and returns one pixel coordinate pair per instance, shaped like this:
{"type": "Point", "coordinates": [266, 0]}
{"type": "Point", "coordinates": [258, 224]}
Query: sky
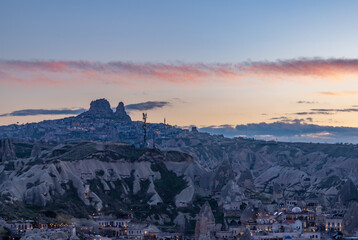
{"type": "Point", "coordinates": [204, 63]}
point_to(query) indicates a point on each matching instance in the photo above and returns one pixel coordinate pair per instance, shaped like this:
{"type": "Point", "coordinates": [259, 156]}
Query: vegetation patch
{"type": "Point", "coordinates": [330, 181]}
{"type": "Point", "coordinates": [69, 203]}
{"type": "Point", "coordinates": [169, 185]}
{"type": "Point", "coordinates": [23, 150]}
{"type": "Point", "coordinates": [100, 173]}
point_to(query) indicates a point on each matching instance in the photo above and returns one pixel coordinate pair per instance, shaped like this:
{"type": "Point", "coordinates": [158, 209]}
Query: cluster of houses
{"type": "Point", "coordinates": [127, 228]}
{"type": "Point", "coordinates": [102, 228]}
{"type": "Point", "coordinates": [242, 220]}
{"type": "Point", "coordinates": [33, 229]}
{"type": "Point", "coordinates": [287, 220]}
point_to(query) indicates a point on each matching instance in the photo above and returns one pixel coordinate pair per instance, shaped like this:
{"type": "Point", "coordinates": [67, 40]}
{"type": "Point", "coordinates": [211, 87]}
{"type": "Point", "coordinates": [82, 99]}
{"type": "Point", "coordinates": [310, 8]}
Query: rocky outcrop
{"type": "Point", "coordinates": [248, 215]}
{"type": "Point", "coordinates": [223, 174]}
{"type": "Point", "coordinates": [95, 175]}
{"type": "Point", "coordinates": [36, 150]}
{"type": "Point", "coordinates": [205, 224]}
{"type": "Point", "coordinates": [121, 114]}
{"type": "Point", "coordinates": [350, 221]}
{"type": "Point", "coordinates": [277, 191]}
{"type": "Point", "coordinates": [348, 193]}
{"type": "Point", "coordinates": [246, 179]}
{"type": "Point", "coordinates": [186, 196]}
{"type": "Point", "coordinates": [99, 108]}
{"type": "Point", "coordinates": [7, 151]}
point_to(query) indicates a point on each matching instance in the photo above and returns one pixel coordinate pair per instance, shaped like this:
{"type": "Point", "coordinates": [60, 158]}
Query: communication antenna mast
{"type": "Point", "coordinates": [145, 129]}
{"type": "Point", "coordinates": [154, 140]}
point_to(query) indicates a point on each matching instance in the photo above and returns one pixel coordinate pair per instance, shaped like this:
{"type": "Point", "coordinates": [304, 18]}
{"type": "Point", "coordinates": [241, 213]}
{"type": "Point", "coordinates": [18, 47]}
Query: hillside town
{"type": "Point", "coordinates": [98, 123]}
{"type": "Point", "coordinates": [249, 219]}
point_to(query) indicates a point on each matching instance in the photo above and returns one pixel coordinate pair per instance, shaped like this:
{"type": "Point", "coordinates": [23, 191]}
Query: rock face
{"type": "Point", "coordinates": [246, 179]}
{"type": "Point", "coordinates": [121, 113]}
{"type": "Point", "coordinates": [7, 150]}
{"type": "Point", "coordinates": [36, 151]}
{"type": "Point", "coordinates": [94, 175]}
{"type": "Point", "coordinates": [99, 108]}
{"type": "Point", "coordinates": [348, 193]}
{"type": "Point", "coordinates": [248, 215]}
{"type": "Point", "coordinates": [277, 191]}
{"type": "Point", "coordinates": [350, 221]}
{"type": "Point", "coordinates": [205, 225]}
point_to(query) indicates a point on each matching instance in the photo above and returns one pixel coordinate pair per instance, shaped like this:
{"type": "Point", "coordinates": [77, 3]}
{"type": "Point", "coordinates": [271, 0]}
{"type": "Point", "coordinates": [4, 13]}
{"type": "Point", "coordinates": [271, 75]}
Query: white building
{"type": "Point", "coordinates": [333, 224]}
{"type": "Point", "coordinates": [113, 222]}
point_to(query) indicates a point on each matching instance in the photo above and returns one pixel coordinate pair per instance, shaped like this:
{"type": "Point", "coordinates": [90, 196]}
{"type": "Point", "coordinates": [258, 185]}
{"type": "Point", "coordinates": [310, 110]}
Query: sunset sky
{"type": "Point", "coordinates": [204, 63]}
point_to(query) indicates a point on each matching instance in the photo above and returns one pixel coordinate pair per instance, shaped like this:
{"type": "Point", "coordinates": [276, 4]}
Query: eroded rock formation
{"type": "Point", "coordinates": [121, 113]}
{"type": "Point", "coordinates": [7, 151]}
{"type": "Point", "coordinates": [99, 108]}
{"type": "Point", "coordinates": [350, 221]}
{"type": "Point", "coordinates": [205, 224]}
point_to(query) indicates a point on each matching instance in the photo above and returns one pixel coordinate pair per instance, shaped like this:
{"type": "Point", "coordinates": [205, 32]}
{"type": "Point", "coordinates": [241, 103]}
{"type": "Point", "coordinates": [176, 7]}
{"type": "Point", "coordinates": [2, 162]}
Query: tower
{"type": "Point", "coordinates": [154, 139]}
{"type": "Point", "coordinates": [145, 129]}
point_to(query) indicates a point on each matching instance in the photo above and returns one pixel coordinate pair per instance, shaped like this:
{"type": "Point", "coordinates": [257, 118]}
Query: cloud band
{"type": "Point", "coordinates": [77, 72]}
{"type": "Point", "coordinates": [34, 112]}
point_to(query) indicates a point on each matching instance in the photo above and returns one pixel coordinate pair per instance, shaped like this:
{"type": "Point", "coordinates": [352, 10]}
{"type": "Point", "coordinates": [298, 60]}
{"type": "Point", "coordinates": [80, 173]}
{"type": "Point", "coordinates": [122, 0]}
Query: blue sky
{"type": "Point", "coordinates": [147, 31]}
{"type": "Point", "coordinates": [213, 62]}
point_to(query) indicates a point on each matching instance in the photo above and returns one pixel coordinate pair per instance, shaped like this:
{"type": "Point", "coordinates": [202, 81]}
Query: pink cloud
{"type": "Point", "coordinates": [338, 93]}
{"type": "Point", "coordinates": [57, 73]}
{"type": "Point", "coordinates": [306, 67]}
